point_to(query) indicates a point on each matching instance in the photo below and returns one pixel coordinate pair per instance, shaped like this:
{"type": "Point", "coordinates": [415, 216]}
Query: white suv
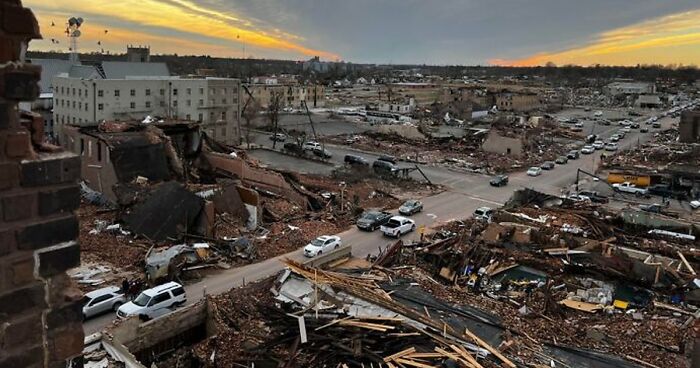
{"type": "Point", "coordinates": [154, 302]}
{"type": "Point", "coordinates": [311, 146]}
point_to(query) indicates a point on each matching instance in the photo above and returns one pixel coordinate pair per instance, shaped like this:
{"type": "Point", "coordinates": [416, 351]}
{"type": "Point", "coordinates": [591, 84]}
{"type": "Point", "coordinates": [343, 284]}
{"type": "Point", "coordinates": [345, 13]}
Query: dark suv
{"type": "Point", "coordinates": [372, 220]}
{"type": "Point", "coordinates": [499, 180]}
{"type": "Point", "coordinates": [384, 167]}
{"type": "Point", "coordinates": [356, 160]}
{"type": "Point", "coordinates": [293, 148]}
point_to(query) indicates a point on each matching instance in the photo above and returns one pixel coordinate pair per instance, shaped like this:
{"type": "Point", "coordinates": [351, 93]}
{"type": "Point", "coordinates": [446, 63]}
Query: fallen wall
{"type": "Point", "coordinates": [497, 143]}
{"type": "Point", "coordinates": [405, 131]}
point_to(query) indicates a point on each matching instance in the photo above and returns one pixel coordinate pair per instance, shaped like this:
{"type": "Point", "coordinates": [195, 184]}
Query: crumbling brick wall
{"type": "Point", "coordinates": [40, 311]}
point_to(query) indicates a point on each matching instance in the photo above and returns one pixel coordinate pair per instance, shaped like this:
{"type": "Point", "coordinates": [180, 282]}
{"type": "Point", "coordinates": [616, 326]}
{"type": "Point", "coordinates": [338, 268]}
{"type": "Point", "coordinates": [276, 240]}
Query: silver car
{"type": "Point", "coordinates": [102, 301]}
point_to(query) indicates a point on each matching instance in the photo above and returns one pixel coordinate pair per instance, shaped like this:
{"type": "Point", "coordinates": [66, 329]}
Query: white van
{"type": "Point", "coordinates": [154, 302]}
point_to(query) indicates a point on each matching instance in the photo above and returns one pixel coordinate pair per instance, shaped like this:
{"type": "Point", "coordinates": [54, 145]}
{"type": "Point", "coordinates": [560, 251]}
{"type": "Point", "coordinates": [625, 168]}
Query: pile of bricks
{"type": "Point", "coordinates": [40, 310]}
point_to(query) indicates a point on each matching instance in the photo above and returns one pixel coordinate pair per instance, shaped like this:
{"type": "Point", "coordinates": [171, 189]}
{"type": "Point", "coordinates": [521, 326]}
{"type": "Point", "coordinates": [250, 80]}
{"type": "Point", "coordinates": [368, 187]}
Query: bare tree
{"type": "Point", "coordinates": [273, 113]}
{"type": "Point", "coordinates": [250, 113]}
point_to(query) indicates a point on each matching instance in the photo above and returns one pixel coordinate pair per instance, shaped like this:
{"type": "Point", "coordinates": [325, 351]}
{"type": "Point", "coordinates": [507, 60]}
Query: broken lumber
{"type": "Point", "coordinates": [685, 262]}
{"type": "Point", "coordinates": [490, 348]}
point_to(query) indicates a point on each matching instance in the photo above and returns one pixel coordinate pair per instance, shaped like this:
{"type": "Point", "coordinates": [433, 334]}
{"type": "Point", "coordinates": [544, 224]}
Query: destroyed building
{"type": "Point", "coordinates": [689, 127]}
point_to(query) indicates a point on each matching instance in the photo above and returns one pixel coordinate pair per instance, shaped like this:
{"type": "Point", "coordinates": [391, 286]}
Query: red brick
{"type": "Point", "coordinates": [66, 343]}
{"type": "Point", "coordinates": [56, 260]}
{"type": "Point", "coordinates": [28, 357]}
{"type": "Point", "coordinates": [18, 144]}
{"type": "Point", "coordinates": [22, 271]}
{"type": "Point", "coordinates": [49, 171]}
{"type": "Point", "coordinates": [22, 332]}
{"type": "Point", "coordinates": [7, 241]}
{"type": "Point", "coordinates": [23, 300]}
{"type": "Point", "coordinates": [9, 175]}
{"type": "Point", "coordinates": [19, 207]}
{"type": "Point", "coordinates": [47, 233]}
{"type": "Point", "coordinates": [66, 199]}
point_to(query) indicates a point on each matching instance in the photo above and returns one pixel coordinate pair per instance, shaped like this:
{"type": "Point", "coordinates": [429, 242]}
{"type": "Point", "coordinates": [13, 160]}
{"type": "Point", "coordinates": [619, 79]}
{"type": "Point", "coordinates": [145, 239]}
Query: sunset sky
{"type": "Point", "coordinates": [467, 32]}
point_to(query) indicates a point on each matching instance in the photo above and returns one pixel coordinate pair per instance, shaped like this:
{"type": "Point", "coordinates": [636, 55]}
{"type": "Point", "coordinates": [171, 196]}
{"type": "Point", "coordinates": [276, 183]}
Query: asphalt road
{"type": "Point", "coordinates": [465, 193]}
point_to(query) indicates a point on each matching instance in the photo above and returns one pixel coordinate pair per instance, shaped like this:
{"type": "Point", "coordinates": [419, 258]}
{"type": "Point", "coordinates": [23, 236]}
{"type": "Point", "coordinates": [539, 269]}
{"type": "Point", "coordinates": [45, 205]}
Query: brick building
{"type": "Point", "coordinates": [40, 310]}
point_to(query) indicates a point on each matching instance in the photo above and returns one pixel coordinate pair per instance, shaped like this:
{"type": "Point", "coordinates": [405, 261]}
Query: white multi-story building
{"type": "Point", "coordinates": [214, 102]}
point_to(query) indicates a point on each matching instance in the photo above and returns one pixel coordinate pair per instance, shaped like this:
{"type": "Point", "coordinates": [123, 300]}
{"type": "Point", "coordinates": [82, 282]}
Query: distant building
{"type": "Point", "coordinates": [292, 94]}
{"type": "Point", "coordinates": [518, 102]}
{"type": "Point", "coordinates": [629, 88]}
{"type": "Point", "coordinates": [138, 54]}
{"type": "Point", "coordinates": [403, 106]}
{"type": "Point", "coordinates": [649, 101]}
{"type": "Point", "coordinates": [214, 102]}
{"type": "Point", "coordinates": [689, 127]}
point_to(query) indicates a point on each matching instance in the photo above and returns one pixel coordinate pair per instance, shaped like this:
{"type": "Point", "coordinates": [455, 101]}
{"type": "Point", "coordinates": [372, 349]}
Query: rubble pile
{"type": "Point", "coordinates": [662, 151]}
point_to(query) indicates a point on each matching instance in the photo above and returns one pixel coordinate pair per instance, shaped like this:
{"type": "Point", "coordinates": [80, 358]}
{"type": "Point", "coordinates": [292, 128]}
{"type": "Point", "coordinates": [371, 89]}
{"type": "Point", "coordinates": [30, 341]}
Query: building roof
{"type": "Point", "coordinates": [123, 69]}
{"type": "Point", "coordinates": [49, 69]}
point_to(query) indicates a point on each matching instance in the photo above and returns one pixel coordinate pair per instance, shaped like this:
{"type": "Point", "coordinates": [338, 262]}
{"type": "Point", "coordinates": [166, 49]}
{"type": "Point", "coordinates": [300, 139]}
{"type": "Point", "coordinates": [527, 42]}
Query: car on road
{"type": "Point", "coordinates": [653, 208]}
{"type": "Point", "coordinates": [634, 126]}
{"type": "Point", "coordinates": [578, 198]}
{"type": "Point", "coordinates": [397, 226]}
{"type": "Point", "coordinates": [656, 125]}
{"type": "Point", "coordinates": [499, 180]}
{"type": "Point", "coordinates": [324, 243]}
{"type": "Point", "coordinates": [279, 137]}
{"type": "Point", "coordinates": [611, 146]}
{"type": "Point", "coordinates": [483, 214]}
{"type": "Point", "coordinates": [371, 220]}
{"type": "Point", "coordinates": [644, 130]}
{"type": "Point", "coordinates": [384, 167]}
{"type": "Point", "coordinates": [598, 145]}
{"type": "Point", "coordinates": [604, 122]}
{"type": "Point", "coordinates": [598, 113]}
{"type": "Point", "coordinates": [102, 300]}
{"type": "Point", "coordinates": [587, 150]}
{"type": "Point", "coordinates": [293, 148]}
{"type": "Point", "coordinates": [576, 128]}
{"type": "Point", "coordinates": [411, 207]}
{"type": "Point", "coordinates": [625, 131]}
{"type": "Point", "coordinates": [593, 196]}
{"type": "Point", "coordinates": [311, 146]}
{"type": "Point", "coordinates": [547, 165]}
{"type": "Point", "coordinates": [387, 158]}
{"type": "Point", "coordinates": [573, 155]}
{"type": "Point", "coordinates": [628, 187]}
{"type": "Point", "coordinates": [579, 125]}
{"type": "Point", "coordinates": [534, 171]}
{"type": "Point", "coordinates": [356, 160]}
{"type": "Point", "coordinates": [155, 301]}
{"type": "Point", "coordinates": [561, 160]}
{"type": "Point", "coordinates": [625, 123]}
{"type": "Point", "coordinates": [323, 153]}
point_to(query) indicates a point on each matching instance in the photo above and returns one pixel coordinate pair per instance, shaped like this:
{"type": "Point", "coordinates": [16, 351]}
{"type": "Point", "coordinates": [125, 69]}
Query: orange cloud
{"type": "Point", "coordinates": [671, 39]}
{"type": "Point", "coordinates": [183, 16]}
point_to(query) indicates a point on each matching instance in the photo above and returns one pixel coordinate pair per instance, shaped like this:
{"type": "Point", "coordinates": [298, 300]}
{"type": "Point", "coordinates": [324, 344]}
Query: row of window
{"type": "Point", "coordinates": [132, 92]}
{"type": "Point", "coordinates": [66, 103]}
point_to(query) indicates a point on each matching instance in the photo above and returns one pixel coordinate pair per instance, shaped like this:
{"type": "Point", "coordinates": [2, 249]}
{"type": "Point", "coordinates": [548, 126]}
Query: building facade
{"type": "Point", "coordinates": [689, 127]}
{"type": "Point", "coordinates": [292, 94]}
{"type": "Point", "coordinates": [213, 102]}
{"type": "Point", "coordinates": [519, 102]}
{"type": "Point", "coordinates": [629, 88]}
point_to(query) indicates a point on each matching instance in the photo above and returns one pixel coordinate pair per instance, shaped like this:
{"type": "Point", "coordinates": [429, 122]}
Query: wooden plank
{"type": "Point", "coordinates": [582, 306]}
{"type": "Point", "coordinates": [424, 355]}
{"type": "Point", "coordinates": [468, 357]}
{"type": "Point", "coordinates": [646, 364]}
{"type": "Point", "coordinates": [400, 354]}
{"type": "Point", "coordinates": [490, 348]}
{"type": "Point", "coordinates": [453, 357]}
{"type": "Point", "coordinates": [685, 262]}
{"type": "Point", "coordinates": [412, 363]}
{"type": "Point", "coordinates": [331, 323]}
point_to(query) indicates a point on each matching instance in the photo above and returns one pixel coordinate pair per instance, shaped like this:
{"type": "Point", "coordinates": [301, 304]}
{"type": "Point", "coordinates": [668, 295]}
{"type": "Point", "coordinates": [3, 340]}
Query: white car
{"type": "Point", "coordinates": [483, 214]}
{"type": "Point", "coordinates": [322, 244]}
{"type": "Point", "coordinates": [695, 204]}
{"type": "Point", "coordinates": [598, 145]}
{"type": "Point", "coordinates": [312, 146]}
{"type": "Point", "coordinates": [397, 226]}
{"type": "Point", "coordinates": [154, 302]}
{"type": "Point", "coordinates": [611, 147]}
{"type": "Point", "coordinates": [102, 300]}
{"type": "Point", "coordinates": [534, 171]}
{"type": "Point", "coordinates": [614, 138]}
{"type": "Point", "coordinates": [587, 150]}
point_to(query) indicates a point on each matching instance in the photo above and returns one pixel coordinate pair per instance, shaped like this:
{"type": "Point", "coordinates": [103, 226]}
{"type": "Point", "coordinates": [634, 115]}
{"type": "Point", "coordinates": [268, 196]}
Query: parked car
{"type": "Point", "coordinates": [397, 226]}
{"type": "Point", "coordinates": [573, 155]}
{"type": "Point", "coordinates": [614, 138]}
{"type": "Point", "coordinates": [384, 167]}
{"type": "Point", "coordinates": [664, 190]}
{"type": "Point", "coordinates": [561, 160]}
{"type": "Point", "coordinates": [323, 153]}
{"type": "Point", "coordinates": [387, 158]}
{"type": "Point", "coordinates": [547, 165]}
{"type": "Point", "coordinates": [483, 214]}
{"type": "Point", "coordinates": [311, 146]}
{"type": "Point", "coordinates": [534, 171]}
{"type": "Point", "coordinates": [622, 133]}
{"type": "Point", "coordinates": [598, 145]}
{"type": "Point", "coordinates": [411, 207]}
{"type": "Point", "coordinates": [371, 220]}
{"type": "Point", "coordinates": [653, 208]}
{"type": "Point", "coordinates": [155, 301]}
{"type": "Point", "coordinates": [102, 300]}
{"type": "Point", "coordinates": [578, 198]}
{"type": "Point", "coordinates": [499, 180]}
{"type": "Point", "coordinates": [634, 126]}
{"type": "Point", "coordinates": [356, 160]}
{"type": "Point", "coordinates": [293, 148]}
{"type": "Point", "coordinates": [593, 196]}
{"type": "Point", "coordinates": [587, 150]}
{"type": "Point", "coordinates": [611, 147]}
{"type": "Point", "coordinates": [628, 187]}
{"type": "Point", "coordinates": [656, 125]}
{"type": "Point", "coordinates": [695, 204]}
{"type": "Point", "coordinates": [323, 243]}
{"type": "Point", "coordinates": [279, 137]}
{"type": "Point", "coordinates": [644, 130]}
{"type": "Point", "coordinates": [579, 125]}
{"type": "Point", "coordinates": [604, 122]}
{"type": "Point", "coordinates": [576, 128]}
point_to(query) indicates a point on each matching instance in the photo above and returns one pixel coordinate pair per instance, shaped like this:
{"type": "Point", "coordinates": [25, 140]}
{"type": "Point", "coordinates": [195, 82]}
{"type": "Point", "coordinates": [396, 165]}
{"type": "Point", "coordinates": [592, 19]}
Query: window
{"type": "Point", "coordinates": [132, 92]}
{"type": "Point", "coordinates": [73, 119]}
{"type": "Point", "coordinates": [73, 91]}
{"type": "Point", "coordinates": [80, 93]}
{"type": "Point", "coordinates": [82, 146]}
{"type": "Point", "coordinates": [212, 91]}
{"type": "Point", "coordinates": [133, 105]}
{"type": "Point", "coordinates": [80, 105]}
{"type": "Point", "coordinates": [162, 103]}
{"type": "Point", "coordinates": [223, 101]}
{"type": "Point", "coordinates": [148, 104]}
{"type": "Point", "coordinates": [116, 93]}
{"type": "Point", "coordinates": [99, 151]}
{"type": "Point", "coordinates": [175, 103]}
{"type": "Point", "coordinates": [223, 132]}
{"type": "Point", "coordinates": [100, 93]}
{"type": "Point", "coordinates": [159, 298]}
{"type": "Point", "coordinates": [174, 91]}
{"type": "Point", "coordinates": [201, 91]}
{"type": "Point", "coordinates": [201, 102]}
{"type": "Point", "coordinates": [178, 291]}
{"type": "Point", "coordinates": [86, 92]}
{"type": "Point", "coordinates": [188, 117]}
{"type": "Point", "coordinates": [100, 299]}
{"type": "Point", "coordinates": [189, 103]}
{"type": "Point", "coordinates": [73, 104]}
{"type": "Point", "coordinates": [148, 91]}
{"type": "Point", "coordinates": [86, 106]}
{"type": "Point", "coordinates": [189, 91]}
{"type": "Point", "coordinates": [223, 115]}
{"type": "Point", "coordinates": [201, 117]}
{"type": "Point", "coordinates": [162, 92]}
{"type": "Point", "coordinates": [211, 116]}
{"type": "Point", "coordinates": [100, 107]}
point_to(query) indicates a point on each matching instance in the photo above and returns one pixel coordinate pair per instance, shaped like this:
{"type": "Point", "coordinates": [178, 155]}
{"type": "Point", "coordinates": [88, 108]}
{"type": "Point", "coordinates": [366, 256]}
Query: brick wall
{"type": "Point", "coordinates": [40, 314]}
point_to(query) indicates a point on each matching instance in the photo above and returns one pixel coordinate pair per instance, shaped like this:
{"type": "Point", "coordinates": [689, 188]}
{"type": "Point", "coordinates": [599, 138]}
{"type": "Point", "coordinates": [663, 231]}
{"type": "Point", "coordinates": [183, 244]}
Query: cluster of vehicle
{"type": "Point", "coordinates": [314, 147]}
{"type": "Point", "coordinates": [149, 304]}
{"type": "Point", "coordinates": [384, 164]}
{"type": "Point", "coordinates": [550, 165]}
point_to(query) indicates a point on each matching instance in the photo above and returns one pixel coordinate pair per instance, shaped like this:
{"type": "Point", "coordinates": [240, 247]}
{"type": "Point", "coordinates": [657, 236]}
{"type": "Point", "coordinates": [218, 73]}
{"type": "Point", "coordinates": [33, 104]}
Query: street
{"type": "Point", "coordinates": [465, 192]}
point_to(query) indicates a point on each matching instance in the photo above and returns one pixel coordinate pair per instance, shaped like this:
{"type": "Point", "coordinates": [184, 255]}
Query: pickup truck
{"type": "Point", "coordinates": [397, 226]}
{"type": "Point", "coordinates": [628, 187]}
